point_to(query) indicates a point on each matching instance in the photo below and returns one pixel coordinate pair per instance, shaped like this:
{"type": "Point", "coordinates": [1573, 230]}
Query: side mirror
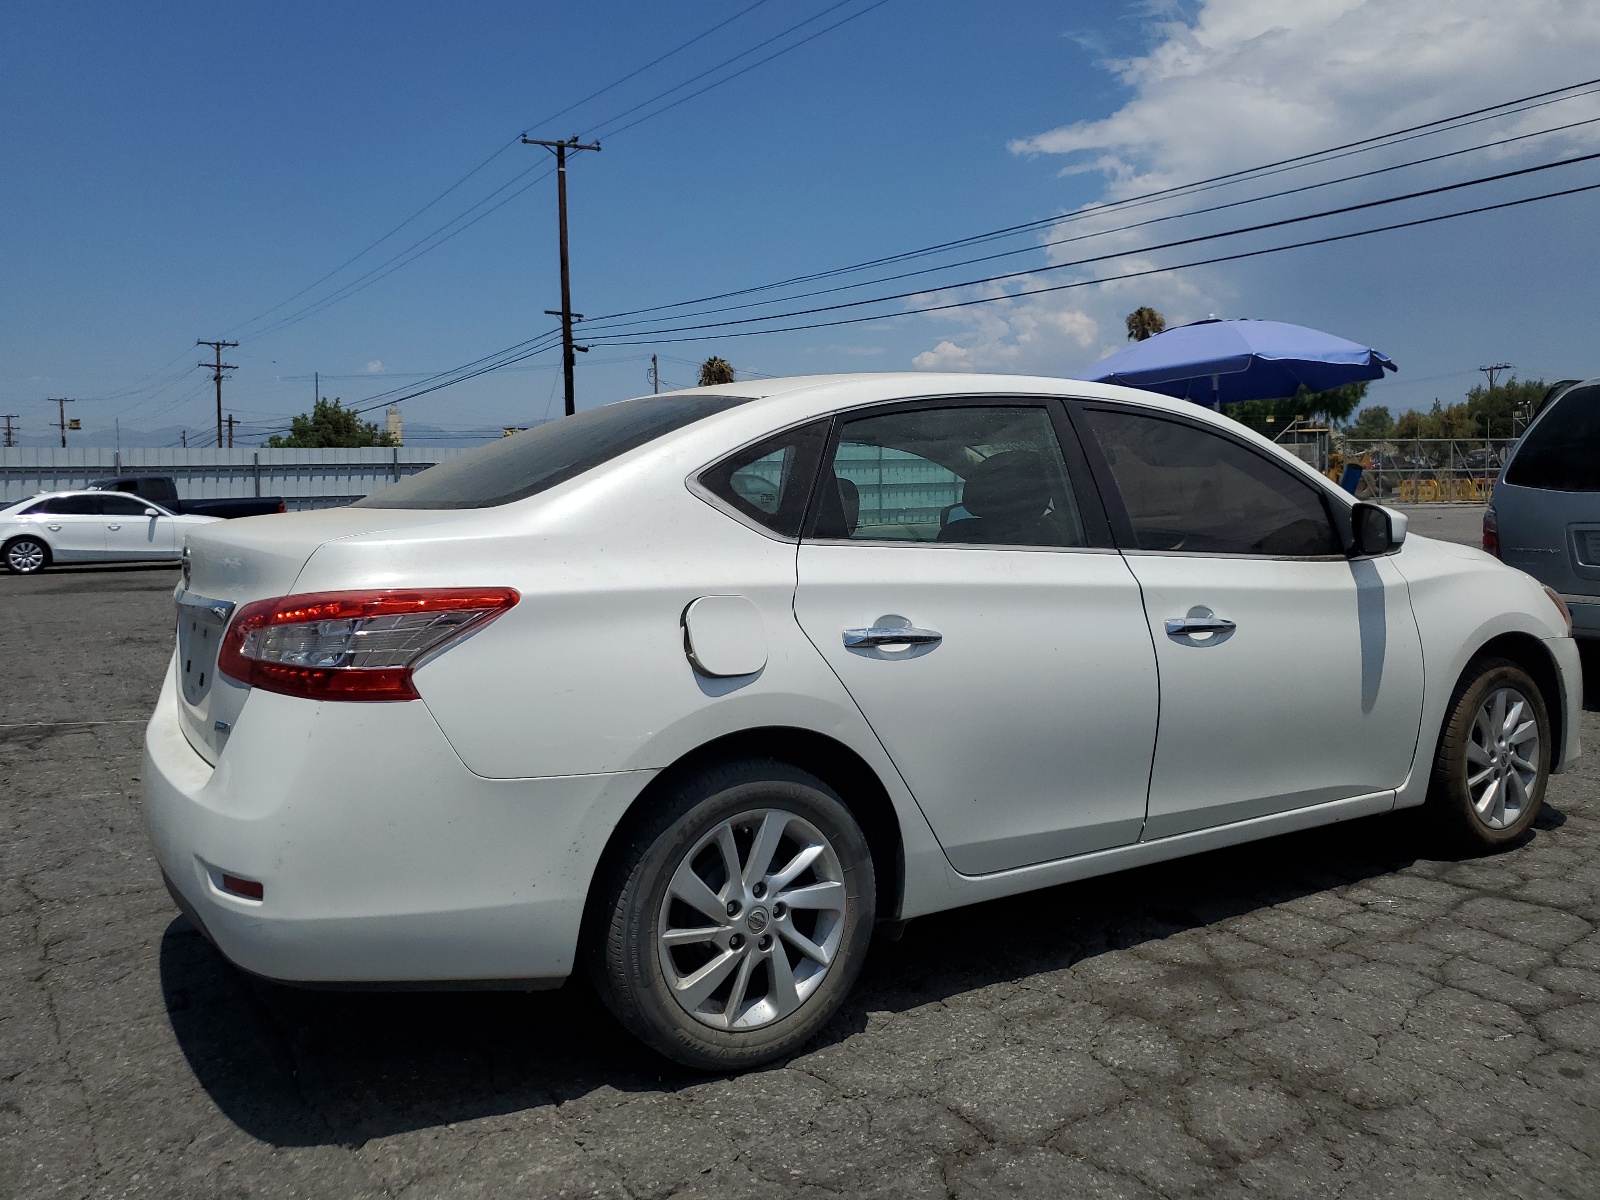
{"type": "Point", "coordinates": [152, 512]}
{"type": "Point", "coordinates": [1376, 530]}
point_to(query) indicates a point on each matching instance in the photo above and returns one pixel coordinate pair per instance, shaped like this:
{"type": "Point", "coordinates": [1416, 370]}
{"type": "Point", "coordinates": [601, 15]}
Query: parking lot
{"type": "Point", "coordinates": [1345, 1012]}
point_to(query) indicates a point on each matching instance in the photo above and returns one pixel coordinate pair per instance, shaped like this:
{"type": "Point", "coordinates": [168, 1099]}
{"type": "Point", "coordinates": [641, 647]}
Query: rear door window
{"type": "Point", "coordinates": [1561, 452]}
{"type": "Point", "coordinates": [542, 457]}
{"type": "Point", "coordinates": [987, 475]}
{"type": "Point", "coordinates": [1188, 489]}
{"type": "Point", "coordinates": [73, 506]}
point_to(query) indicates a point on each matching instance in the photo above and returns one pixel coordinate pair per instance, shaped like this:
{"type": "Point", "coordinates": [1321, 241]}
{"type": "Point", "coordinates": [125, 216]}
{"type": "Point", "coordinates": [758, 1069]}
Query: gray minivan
{"type": "Point", "coordinates": [1545, 514]}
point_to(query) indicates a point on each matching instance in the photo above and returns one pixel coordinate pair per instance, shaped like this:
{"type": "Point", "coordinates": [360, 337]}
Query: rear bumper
{"type": "Point", "coordinates": [1585, 612]}
{"type": "Point", "coordinates": [382, 858]}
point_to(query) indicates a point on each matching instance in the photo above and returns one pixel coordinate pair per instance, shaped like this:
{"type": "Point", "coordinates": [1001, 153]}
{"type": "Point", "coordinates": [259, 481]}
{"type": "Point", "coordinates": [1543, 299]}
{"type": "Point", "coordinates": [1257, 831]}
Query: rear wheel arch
{"type": "Point", "coordinates": [831, 761]}
{"type": "Point", "coordinates": [1529, 653]}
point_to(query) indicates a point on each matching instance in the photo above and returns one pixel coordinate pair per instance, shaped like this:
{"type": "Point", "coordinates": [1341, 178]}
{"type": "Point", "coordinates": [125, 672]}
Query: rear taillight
{"type": "Point", "coordinates": [1491, 532]}
{"type": "Point", "coordinates": [351, 645]}
{"type": "Point", "coordinates": [282, 507]}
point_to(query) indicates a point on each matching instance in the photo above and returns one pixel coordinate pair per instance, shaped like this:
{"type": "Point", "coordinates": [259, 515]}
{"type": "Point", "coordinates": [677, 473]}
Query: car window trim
{"type": "Point", "coordinates": [1091, 514]}
{"type": "Point", "coordinates": [1116, 509]}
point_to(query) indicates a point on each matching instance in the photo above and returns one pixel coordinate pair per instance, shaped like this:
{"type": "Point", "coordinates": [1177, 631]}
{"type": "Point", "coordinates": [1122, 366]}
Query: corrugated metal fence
{"type": "Point", "coordinates": [304, 478]}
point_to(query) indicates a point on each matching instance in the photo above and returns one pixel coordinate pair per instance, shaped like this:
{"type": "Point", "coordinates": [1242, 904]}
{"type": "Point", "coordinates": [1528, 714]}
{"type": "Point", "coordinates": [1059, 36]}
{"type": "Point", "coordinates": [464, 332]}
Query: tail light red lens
{"type": "Point", "coordinates": [1491, 532]}
{"type": "Point", "coordinates": [351, 645]}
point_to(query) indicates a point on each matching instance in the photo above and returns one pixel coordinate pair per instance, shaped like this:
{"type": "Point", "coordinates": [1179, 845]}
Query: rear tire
{"type": "Point", "coordinates": [785, 889]}
{"type": "Point", "coordinates": [25, 555]}
{"type": "Point", "coordinates": [1493, 761]}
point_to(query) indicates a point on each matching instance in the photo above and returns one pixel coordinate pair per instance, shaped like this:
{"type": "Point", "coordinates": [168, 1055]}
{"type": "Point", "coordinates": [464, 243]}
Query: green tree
{"type": "Point", "coordinates": [714, 371]}
{"type": "Point", "coordinates": [1334, 405]}
{"type": "Point", "coordinates": [1492, 408]}
{"type": "Point", "coordinates": [1145, 322]}
{"type": "Point", "coordinates": [1372, 423]}
{"type": "Point", "coordinates": [329, 424]}
{"type": "Point", "coordinates": [1438, 422]}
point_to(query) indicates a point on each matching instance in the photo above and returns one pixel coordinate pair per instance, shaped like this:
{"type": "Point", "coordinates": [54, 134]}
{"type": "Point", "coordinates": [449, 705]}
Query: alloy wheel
{"type": "Point", "coordinates": [752, 920]}
{"type": "Point", "coordinates": [1502, 757]}
{"type": "Point", "coordinates": [25, 556]}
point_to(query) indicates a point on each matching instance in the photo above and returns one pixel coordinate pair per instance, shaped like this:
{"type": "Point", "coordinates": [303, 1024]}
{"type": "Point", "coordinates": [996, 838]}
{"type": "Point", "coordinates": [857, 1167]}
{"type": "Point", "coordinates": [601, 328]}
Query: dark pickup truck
{"type": "Point", "coordinates": [163, 490]}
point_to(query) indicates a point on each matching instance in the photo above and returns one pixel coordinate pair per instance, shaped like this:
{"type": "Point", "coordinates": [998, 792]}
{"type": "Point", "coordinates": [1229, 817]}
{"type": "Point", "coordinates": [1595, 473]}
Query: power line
{"type": "Point", "coordinates": [792, 297]}
{"type": "Point", "coordinates": [1256, 228]}
{"type": "Point", "coordinates": [1080, 283]}
{"type": "Point", "coordinates": [496, 154]}
{"type": "Point", "coordinates": [1242, 175]}
{"type": "Point", "coordinates": [360, 283]}
{"type": "Point", "coordinates": [1071, 285]}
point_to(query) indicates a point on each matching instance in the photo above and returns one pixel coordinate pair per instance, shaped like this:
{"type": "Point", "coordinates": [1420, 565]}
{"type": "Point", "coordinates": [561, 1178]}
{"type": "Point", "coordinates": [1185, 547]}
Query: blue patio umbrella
{"type": "Point", "coordinates": [1222, 362]}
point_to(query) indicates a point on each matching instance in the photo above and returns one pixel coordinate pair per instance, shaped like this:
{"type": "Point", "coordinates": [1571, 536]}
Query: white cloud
{"type": "Point", "coordinates": [1244, 82]}
{"type": "Point", "coordinates": [374, 366]}
{"type": "Point", "coordinates": [1248, 81]}
{"type": "Point", "coordinates": [1026, 335]}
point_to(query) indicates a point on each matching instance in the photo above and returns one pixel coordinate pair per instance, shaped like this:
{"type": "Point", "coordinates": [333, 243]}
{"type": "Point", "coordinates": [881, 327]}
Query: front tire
{"type": "Point", "coordinates": [26, 555]}
{"type": "Point", "coordinates": [736, 917]}
{"type": "Point", "coordinates": [1493, 760]}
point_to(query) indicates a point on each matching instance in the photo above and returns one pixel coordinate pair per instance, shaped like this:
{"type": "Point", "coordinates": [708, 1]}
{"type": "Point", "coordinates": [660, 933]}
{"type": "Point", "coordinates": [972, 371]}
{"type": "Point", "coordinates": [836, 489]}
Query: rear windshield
{"type": "Point", "coordinates": [531, 462]}
{"type": "Point", "coordinates": [1561, 451]}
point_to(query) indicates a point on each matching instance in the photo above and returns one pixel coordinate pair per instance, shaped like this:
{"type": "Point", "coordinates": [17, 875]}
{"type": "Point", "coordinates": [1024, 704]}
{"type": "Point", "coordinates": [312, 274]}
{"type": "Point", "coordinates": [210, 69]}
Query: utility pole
{"type": "Point", "coordinates": [232, 421]}
{"type": "Point", "coordinates": [61, 403]}
{"type": "Point", "coordinates": [566, 314]}
{"type": "Point", "coordinates": [11, 437]}
{"type": "Point", "coordinates": [1492, 369]}
{"type": "Point", "coordinates": [217, 368]}
{"type": "Point", "coordinates": [655, 375]}
{"type": "Point", "coordinates": [185, 436]}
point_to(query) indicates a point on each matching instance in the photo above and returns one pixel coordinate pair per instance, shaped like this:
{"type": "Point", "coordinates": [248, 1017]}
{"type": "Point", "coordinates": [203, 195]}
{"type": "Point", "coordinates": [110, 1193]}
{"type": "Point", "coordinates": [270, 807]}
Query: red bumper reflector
{"type": "Point", "coordinates": [248, 888]}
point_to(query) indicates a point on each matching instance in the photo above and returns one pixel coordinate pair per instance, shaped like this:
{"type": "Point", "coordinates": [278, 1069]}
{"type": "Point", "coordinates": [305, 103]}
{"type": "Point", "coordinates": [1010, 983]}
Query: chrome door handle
{"type": "Point", "coordinates": [889, 635]}
{"type": "Point", "coordinates": [113, 526]}
{"type": "Point", "coordinates": [1186, 626]}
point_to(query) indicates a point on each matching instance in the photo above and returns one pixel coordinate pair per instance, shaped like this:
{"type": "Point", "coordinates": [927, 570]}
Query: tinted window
{"type": "Point", "coordinates": [968, 474]}
{"type": "Point", "coordinates": [122, 506]}
{"type": "Point", "coordinates": [548, 454]}
{"type": "Point", "coordinates": [1562, 450]}
{"type": "Point", "coordinates": [770, 482]}
{"type": "Point", "coordinates": [1186, 488]}
{"type": "Point", "coordinates": [78, 506]}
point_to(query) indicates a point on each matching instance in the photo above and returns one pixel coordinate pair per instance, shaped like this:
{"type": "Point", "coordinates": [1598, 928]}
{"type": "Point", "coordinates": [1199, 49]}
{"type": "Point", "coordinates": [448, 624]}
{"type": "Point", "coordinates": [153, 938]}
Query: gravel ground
{"type": "Point", "coordinates": [1339, 1013]}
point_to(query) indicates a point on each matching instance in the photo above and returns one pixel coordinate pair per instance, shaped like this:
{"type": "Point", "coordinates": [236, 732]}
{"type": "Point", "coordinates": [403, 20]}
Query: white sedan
{"type": "Point", "coordinates": [697, 689]}
{"type": "Point", "coordinates": [64, 527]}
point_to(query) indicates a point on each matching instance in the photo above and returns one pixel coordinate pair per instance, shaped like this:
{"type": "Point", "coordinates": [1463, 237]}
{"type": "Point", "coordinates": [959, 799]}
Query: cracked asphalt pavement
{"type": "Point", "coordinates": [1341, 1013]}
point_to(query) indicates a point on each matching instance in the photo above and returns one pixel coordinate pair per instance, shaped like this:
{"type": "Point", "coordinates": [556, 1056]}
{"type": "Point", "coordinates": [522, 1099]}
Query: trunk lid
{"type": "Point", "coordinates": [227, 564]}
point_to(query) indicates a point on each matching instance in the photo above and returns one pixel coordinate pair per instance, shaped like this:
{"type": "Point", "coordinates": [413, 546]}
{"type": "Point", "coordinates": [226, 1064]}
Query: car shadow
{"type": "Point", "coordinates": [303, 1067]}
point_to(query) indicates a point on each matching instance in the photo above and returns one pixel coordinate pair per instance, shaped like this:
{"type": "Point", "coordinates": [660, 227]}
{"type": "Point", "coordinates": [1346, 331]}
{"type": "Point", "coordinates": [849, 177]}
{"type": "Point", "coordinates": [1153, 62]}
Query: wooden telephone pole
{"type": "Point", "coordinates": [61, 403]}
{"type": "Point", "coordinates": [217, 368]}
{"type": "Point", "coordinates": [568, 361]}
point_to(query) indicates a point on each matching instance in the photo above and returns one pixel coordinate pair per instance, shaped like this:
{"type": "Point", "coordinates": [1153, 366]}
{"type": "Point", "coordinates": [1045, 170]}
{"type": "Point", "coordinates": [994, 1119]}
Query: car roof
{"type": "Point", "coordinates": [804, 396]}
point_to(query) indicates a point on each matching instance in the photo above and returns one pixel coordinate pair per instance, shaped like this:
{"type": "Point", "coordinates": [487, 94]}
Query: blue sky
{"type": "Point", "coordinates": [176, 171]}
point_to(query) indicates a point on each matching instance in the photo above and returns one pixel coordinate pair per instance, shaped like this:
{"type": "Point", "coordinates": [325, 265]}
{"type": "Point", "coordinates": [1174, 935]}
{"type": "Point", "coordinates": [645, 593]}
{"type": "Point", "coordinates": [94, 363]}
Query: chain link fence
{"type": "Point", "coordinates": [1425, 470]}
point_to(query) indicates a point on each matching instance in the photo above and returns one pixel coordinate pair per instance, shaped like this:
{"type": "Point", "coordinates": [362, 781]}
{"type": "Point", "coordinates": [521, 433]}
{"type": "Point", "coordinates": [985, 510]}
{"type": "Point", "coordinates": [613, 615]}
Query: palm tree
{"type": "Point", "coordinates": [715, 370]}
{"type": "Point", "coordinates": [1145, 322]}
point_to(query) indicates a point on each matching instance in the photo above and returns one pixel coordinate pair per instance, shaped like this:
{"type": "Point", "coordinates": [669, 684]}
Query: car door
{"type": "Point", "coordinates": [957, 575]}
{"type": "Point", "coordinates": [1291, 675]}
{"type": "Point", "coordinates": [72, 525]}
{"type": "Point", "coordinates": [131, 533]}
